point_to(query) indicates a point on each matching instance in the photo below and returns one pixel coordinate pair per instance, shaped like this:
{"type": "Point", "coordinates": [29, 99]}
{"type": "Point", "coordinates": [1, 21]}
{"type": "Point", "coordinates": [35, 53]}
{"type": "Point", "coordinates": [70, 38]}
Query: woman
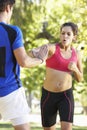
{"type": "Point", "coordinates": [62, 62]}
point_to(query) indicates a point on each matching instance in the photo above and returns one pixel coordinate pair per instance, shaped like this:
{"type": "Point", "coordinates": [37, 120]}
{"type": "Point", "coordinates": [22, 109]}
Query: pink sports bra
{"type": "Point", "coordinates": [56, 61]}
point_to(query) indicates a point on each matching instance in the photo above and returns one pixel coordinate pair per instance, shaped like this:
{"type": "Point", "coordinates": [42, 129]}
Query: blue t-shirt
{"type": "Point", "coordinates": [10, 39]}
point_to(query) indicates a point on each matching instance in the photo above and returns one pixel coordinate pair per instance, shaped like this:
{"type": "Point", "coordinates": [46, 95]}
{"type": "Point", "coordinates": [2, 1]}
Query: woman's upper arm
{"type": "Point", "coordinates": [79, 61]}
{"type": "Point", "coordinates": [51, 48]}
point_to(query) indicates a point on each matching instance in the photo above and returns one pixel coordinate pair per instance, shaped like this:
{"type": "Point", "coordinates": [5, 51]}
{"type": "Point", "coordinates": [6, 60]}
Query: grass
{"type": "Point", "coordinates": [34, 126]}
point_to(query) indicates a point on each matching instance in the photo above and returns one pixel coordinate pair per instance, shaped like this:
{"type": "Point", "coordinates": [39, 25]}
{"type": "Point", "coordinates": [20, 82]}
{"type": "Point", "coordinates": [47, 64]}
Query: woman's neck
{"type": "Point", "coordinates": [66, 48]}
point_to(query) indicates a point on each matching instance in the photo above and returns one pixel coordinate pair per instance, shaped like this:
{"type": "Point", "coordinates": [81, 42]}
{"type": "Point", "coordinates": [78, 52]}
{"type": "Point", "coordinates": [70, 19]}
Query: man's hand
{"type": "Point", "coordinates": [41, 52]}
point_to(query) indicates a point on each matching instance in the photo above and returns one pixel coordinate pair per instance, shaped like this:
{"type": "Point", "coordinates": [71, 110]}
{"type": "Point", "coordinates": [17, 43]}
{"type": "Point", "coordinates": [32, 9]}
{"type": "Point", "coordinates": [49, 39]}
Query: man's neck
{"type": "Point", "coordinates": [3, 18]}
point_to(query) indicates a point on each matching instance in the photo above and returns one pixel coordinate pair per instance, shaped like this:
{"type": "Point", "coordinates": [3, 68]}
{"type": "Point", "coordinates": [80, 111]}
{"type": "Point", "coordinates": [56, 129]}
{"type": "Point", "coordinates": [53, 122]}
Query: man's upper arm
{"type": "Point", "coordinates": [20, 55]}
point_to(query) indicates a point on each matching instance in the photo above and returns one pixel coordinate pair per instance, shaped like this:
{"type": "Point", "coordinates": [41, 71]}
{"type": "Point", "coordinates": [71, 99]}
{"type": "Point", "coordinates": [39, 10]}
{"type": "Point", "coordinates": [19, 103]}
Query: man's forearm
{"type": "Point", "coordinates": [30, 53]}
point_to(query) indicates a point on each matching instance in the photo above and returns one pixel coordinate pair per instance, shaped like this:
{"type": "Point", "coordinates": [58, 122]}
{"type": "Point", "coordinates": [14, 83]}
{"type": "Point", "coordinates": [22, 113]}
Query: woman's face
{"type": "Point", "coordinates": [66, 36]}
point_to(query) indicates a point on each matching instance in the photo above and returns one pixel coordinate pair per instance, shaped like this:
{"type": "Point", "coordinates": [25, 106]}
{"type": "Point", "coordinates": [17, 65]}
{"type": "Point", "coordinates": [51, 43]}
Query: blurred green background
{"type": "Point", "coordinates": [40, 21]}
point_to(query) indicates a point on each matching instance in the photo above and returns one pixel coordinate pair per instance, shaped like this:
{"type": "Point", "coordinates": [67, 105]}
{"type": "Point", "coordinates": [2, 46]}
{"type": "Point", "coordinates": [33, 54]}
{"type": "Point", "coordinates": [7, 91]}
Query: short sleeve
{"type": "Point", "coordinates": [18, 42]}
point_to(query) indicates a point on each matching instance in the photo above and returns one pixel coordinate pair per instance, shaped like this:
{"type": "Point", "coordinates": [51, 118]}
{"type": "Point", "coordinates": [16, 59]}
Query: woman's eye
{"type": "Point", "coordinates": [62, 33]}
{"type": "Point", "coordinates": [68, 34]}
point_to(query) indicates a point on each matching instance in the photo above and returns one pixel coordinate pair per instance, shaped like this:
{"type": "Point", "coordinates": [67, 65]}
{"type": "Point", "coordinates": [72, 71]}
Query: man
{"type": "Point", "coordinates": [13, 104]}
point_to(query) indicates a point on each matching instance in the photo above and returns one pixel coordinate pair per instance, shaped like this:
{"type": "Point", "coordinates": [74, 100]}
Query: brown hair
{"type": "Point", "coordinates": [4, 3]}
{"type": "Point", "coordinates": [72, 25]}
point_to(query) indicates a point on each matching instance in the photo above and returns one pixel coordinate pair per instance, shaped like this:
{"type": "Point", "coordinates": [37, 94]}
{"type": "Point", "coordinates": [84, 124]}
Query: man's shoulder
{"type": "Point", "coordinates": [15, 27]}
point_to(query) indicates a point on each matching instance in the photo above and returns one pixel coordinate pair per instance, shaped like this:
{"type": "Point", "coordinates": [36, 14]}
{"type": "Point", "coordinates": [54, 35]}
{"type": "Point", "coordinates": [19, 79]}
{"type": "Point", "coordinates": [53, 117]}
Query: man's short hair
{"type": "Point", "coordinates": [4, 3]}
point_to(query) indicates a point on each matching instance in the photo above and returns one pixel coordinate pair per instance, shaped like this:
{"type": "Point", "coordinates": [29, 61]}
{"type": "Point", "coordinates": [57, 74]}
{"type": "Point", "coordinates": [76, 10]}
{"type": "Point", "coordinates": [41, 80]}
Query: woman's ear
{"type": "Point", "coordinates": [74, 38]}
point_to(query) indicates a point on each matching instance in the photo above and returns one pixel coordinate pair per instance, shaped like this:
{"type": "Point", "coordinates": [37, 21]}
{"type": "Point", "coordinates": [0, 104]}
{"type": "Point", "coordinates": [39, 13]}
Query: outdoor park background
{"type": "Point", "coordinates": [40, 21]}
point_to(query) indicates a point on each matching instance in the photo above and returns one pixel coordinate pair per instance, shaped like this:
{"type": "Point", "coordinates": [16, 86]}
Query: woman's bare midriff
{"type": "Point", "coordinates": [57, 81]}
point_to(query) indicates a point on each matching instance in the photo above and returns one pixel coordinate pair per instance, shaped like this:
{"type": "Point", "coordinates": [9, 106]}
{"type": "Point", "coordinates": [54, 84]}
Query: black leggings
{"type": "Point", "coordinates": [52, 103]}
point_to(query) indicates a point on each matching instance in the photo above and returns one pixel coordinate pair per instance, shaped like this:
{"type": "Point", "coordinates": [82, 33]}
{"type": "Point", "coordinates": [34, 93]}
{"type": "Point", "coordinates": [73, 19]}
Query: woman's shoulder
{"type": "Point", "coordinates": [52, 48]}
{"type": "Point", "coordinates": [77, 52]}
